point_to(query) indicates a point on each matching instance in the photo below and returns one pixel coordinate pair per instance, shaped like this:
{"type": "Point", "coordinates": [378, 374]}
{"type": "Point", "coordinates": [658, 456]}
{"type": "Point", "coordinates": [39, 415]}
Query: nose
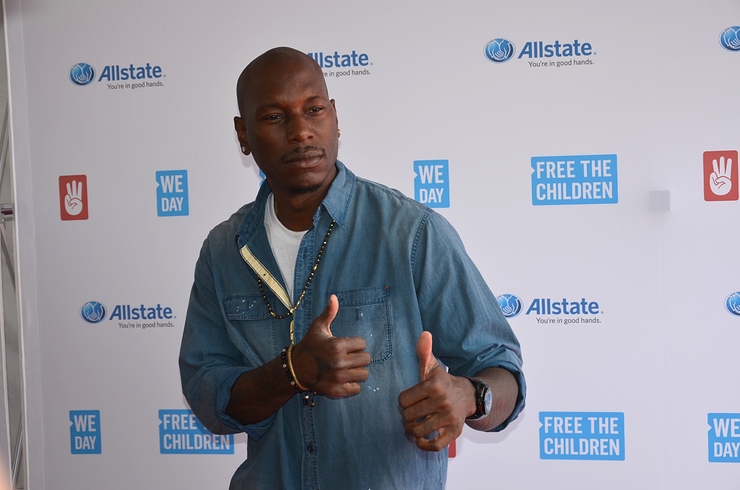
{"type": "Point", "coordinates": [298, 129]}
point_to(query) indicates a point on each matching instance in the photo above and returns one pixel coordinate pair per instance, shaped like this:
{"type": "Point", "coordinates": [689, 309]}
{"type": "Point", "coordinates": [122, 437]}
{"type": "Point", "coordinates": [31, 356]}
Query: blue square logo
{"type": "Point", "coordinates": [172, 193]}
{"type": "Point", "coordinates": [432, 183]}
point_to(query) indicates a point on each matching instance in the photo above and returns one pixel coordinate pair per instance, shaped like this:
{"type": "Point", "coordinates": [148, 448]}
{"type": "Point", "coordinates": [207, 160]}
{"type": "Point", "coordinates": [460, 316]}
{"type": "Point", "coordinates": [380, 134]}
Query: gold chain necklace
{"type": "Point", "coordinates": [292, 309]}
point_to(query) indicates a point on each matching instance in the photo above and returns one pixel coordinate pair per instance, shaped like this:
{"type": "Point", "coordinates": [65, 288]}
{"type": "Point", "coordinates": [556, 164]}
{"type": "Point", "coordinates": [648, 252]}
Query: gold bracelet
{"type": "Point", "coordinates": [292, 371]}
{"type": "Point", "coordinates": [284, 361]}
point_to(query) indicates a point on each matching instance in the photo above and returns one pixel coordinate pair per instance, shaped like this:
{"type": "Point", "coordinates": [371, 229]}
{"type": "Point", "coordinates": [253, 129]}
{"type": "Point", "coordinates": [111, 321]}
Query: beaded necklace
{"type": "Point", "coordinates": [291, 308]}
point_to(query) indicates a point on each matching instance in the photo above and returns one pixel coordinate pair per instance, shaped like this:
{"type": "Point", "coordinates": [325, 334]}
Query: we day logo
{"type": "Point", "coordinates": [84, 432]}
{"type": "Point", "coordinates": [172, 193]}
{"type": "Point", "coordinates": [73, 197]}
{"type": "Point", "coordinates": [432, 183]}
{"type": "Point", "coordinates": [720, 175]}
{"type": "Point", "coordinates": [724, 437]}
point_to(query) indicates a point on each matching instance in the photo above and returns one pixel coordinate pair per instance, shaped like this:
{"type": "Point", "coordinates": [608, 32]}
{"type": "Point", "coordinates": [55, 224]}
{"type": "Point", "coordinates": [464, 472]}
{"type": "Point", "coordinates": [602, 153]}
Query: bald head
{"type": "Point", "coordinates": [288, 123]}
{"type": "Point", "coordinates": [274, 62]}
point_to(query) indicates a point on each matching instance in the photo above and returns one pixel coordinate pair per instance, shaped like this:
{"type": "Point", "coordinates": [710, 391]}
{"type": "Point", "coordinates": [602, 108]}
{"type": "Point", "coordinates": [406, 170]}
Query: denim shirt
{"type": "Point", "coordinates": [397, 268]}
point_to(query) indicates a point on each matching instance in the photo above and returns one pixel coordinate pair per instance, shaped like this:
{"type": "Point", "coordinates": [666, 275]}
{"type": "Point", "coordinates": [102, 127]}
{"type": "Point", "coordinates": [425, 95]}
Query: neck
{"type": "Point", "coordinates": [296, 213]}
{"type": "Point", "coordinates": [295, 210]}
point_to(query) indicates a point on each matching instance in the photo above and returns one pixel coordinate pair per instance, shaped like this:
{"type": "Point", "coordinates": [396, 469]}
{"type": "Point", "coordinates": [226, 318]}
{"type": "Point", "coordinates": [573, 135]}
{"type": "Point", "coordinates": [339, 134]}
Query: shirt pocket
{"type": "Point", "coordinates": [366, 313]}
{"type": "Point", "coordinates": [258, 330]}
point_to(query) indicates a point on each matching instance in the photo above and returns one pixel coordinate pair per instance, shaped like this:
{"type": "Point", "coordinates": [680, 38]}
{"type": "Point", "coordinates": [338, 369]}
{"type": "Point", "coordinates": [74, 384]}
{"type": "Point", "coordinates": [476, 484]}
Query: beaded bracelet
{"type": "Point", "coordinates": [288, 367]}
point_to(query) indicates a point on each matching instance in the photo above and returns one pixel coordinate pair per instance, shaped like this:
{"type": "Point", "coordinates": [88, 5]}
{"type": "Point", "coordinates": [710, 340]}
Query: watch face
{"type": "Point", "coordinates": [487, 402]}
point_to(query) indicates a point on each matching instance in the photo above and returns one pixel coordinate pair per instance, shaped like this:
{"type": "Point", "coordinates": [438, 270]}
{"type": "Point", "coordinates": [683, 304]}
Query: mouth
{"type": "Point", "coordinates": [303, 157]}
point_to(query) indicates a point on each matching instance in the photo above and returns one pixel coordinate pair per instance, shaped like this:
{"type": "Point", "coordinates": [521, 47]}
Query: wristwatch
{"type": "Point", "coordinates": [483, 399]}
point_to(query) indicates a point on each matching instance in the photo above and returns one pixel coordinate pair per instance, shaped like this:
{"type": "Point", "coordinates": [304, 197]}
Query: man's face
{"type": "Point", "coordinates": [289, 125]}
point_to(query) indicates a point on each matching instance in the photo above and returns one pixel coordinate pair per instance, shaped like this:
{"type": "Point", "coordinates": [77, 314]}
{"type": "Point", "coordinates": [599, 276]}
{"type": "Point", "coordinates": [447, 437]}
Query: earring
{"type": "Point", "coordinates": [244, 149]}
{"type": "Point", "coordinates": [339, 132]}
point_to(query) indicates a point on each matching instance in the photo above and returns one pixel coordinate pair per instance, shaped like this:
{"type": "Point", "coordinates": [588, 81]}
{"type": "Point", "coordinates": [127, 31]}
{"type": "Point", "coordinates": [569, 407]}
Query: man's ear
{"type": "Point", "coordinates": [241, 134]}
{"type": "Point", "coordinates": [334, 106]}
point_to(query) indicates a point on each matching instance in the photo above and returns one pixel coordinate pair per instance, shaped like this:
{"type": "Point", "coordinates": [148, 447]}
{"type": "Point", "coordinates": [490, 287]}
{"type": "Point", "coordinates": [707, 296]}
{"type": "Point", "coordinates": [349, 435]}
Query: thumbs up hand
{"type": "Point", "coordinates": [330, 366]}
{"type": "Point", "coordinates": [434, 410]}
{"type": "Point", "coordinates": [321, 325]}
{"type": "Point", "coordinates": [427, 361]}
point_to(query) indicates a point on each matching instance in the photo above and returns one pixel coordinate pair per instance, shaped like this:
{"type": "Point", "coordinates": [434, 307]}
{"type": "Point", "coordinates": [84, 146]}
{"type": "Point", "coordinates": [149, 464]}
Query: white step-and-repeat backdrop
{"type": "Point", "coordinates": [587, 152]}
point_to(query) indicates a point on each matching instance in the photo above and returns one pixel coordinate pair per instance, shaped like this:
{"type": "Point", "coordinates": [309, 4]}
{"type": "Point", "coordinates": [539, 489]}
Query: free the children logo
{"type": "Point", "coordinates": [588, 436]}
{"type": "Point", "coordinates": [575, 179]}
{"type": "Point", "coordinates": [720, 175]}
{"type": "Point", "coordinates": [73, 197]}
{"type": "Point", "coordinates": [180, 432]}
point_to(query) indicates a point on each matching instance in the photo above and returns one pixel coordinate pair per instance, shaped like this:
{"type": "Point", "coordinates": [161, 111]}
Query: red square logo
{"type": "Point", "coordinates": [720, 175]}
{"type": "Point", "coordinates": [73, 197]}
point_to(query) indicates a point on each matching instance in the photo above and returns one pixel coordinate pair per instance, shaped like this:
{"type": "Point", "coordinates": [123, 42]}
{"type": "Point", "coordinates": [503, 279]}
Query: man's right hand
{"type": "Point", "coordinates": [330, 366]}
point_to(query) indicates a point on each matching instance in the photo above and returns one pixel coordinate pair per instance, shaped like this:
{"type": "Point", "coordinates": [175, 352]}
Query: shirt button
{"type": "Point", "coordinates": [309, 448]}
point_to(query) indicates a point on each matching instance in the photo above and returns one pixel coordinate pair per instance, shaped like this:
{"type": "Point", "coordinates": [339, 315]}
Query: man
{"type": "Point", "coordinates": [320, 310]}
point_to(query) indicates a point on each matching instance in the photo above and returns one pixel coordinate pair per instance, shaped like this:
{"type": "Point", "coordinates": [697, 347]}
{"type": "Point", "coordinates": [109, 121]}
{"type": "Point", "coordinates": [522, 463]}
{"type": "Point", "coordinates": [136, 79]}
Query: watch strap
{"type": "Point", "coordinates": [482, 390]}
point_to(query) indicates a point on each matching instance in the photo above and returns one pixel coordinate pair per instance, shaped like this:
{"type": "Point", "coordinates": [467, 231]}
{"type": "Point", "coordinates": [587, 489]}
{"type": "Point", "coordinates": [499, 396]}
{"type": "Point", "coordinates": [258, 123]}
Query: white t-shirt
{"type": "Point", "coordinates": [284, 244]}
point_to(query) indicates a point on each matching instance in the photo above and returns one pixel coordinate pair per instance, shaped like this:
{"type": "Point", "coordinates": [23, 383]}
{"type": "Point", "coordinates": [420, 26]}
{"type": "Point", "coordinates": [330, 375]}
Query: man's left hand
{"type": "Point", "coordinates": [434, 410]}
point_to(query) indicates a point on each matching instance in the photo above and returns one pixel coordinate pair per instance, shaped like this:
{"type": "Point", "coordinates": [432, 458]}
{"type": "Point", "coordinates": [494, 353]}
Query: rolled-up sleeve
{"type": "Point", "coordinates": [210, 359]}
{"type": "Point", "coordinates": [470, 332]}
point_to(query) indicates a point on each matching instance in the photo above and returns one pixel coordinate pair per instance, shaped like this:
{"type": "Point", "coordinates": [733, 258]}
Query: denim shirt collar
{"type": "Point", "coordinates": [336, 203]}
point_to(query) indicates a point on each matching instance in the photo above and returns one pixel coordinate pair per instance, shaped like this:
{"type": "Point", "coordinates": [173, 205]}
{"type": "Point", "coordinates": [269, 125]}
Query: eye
{"type": "Point", "coordinates": [315, 110]}
{"type": "Point", "coordinates": [272, 118]}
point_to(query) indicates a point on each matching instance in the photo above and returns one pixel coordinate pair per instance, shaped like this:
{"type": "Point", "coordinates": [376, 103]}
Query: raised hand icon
{"type": "Point", "coordinates": [73, 200]}
{"type": "Point", "coordinates": [720, 181]}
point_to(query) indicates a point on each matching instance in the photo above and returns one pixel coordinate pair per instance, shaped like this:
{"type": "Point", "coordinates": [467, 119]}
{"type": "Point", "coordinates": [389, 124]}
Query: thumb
{"type": "Point", "coordinates": [323, 321]}
{"type": "Point", "coordinates": [427, 361]}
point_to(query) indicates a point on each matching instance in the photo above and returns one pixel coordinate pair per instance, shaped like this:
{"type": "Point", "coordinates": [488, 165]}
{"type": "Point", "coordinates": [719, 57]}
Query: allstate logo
{"type": "Point", "coordinates": [93, 312]}
{"type": "Point", "coordinates": [499, 50]}
{"type": "Point", "coordinates": [510, 305]}
{"type": "Point", "coordinates": [732, 303]}
{"type": "Point", "coordinates": [730, 38]}
{"type": "Point", "coordinates": [82, 74]}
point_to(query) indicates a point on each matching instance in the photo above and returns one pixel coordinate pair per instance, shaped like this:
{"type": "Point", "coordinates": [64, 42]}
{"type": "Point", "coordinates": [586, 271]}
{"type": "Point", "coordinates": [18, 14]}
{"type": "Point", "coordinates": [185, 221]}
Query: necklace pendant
{"type": "Point", "coordinates": [292, 329]}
